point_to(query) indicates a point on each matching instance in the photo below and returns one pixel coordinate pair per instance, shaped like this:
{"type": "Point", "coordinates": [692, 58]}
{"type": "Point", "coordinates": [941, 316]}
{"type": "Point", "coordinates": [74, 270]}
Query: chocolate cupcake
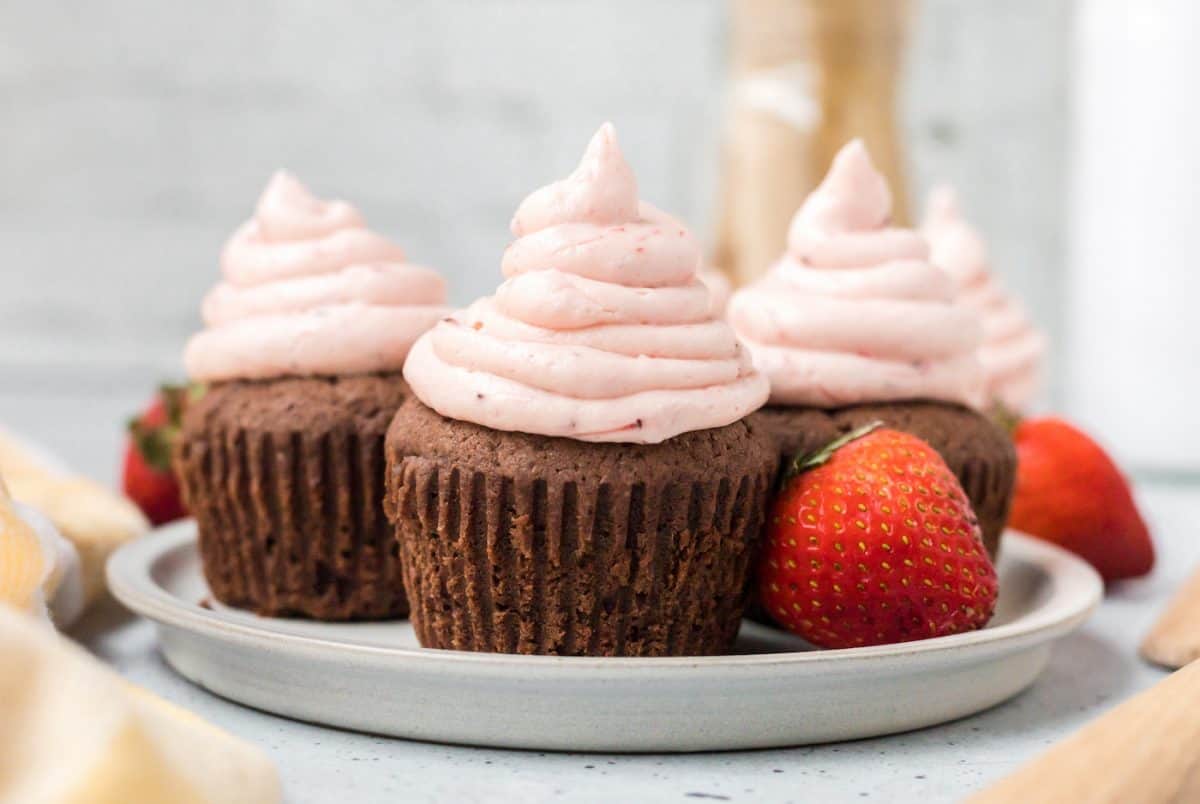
{"type": "Point", "coordinates": [282, 460]}
{"type": "Point", "coordinates": [855, 323]}
{"type": "Point", "coordinates": [970, 444]}
{"type": "Point", "coordinates": [575, 473]}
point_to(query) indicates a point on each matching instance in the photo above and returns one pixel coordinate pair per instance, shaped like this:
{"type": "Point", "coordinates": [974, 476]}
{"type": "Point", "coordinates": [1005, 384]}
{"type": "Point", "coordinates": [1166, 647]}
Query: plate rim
{"type": "Point", "coordinates": [1075, 594]}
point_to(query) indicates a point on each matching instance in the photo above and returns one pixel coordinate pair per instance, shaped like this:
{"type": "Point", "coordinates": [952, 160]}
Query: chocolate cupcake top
{"type": "Point", "coordinates": [854, 312]}
{"type": "Point", "coordinates": [601, 331]}
{"type": "Point", "coordinates": [308, 290]}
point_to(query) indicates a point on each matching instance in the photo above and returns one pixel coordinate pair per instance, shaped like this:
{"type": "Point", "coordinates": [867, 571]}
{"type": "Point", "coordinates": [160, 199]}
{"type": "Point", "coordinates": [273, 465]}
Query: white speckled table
{"type": "Point", "coordinates": [1091, 671]}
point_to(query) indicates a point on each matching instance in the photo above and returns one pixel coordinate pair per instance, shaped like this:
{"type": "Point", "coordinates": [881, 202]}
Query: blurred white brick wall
{"type": "Point", "coordinates": [135, 135]}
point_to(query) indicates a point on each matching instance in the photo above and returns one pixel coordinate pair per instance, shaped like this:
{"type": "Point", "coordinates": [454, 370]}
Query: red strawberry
{"type": "Point", "coordinates": [1070, 492]}
{"type": "Point", "coordinates": [872, 541]}
{"type": "Point", "coordinates": [146, 475]}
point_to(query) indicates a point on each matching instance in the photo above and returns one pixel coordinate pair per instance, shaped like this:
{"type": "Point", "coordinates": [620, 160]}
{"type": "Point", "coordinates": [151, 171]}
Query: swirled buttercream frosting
{"type": "Point", "coordinates": [601, 330]}
{"type": "Point", "coordinates": [1012, 350]}
{"type": "Point", "coordinates": [719, 288]}
{"type": "Point", "coordinates": [307, 289]}
{"type": "Point", "coordinates": [855, 312]}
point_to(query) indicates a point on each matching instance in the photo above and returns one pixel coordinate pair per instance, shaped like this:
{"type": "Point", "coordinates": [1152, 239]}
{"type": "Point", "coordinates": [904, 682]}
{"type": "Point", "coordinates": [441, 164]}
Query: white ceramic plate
{"type": "Point", "coordinates": [374, 677]}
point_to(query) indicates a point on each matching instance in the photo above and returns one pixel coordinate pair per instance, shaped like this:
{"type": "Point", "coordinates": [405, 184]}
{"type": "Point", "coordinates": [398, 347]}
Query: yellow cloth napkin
{"type": "Point", "coordinates": [40, 571]}
{"type": "Point", "coordinates": [24, 566]}
{"type": "Point", "coordinates": [95, 520]}
{"type": "Point", "coordinates": [73, 732]}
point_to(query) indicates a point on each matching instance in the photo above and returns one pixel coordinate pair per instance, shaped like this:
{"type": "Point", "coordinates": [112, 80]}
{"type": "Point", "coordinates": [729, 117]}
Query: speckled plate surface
{"type": "Point", "coordinates": [374, 677]}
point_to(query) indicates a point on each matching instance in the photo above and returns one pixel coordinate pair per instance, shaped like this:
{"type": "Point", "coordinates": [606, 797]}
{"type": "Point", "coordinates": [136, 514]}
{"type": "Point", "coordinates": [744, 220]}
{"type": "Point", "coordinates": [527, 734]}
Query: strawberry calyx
{"type": "Point", "coordinates": [153, 443]}
{"type": "Point", "coordinates": [153, 433]}
{"type": "Point", "coordinates": [804, 461]}
{"type": "Point", "coordinates": [1007, 418]}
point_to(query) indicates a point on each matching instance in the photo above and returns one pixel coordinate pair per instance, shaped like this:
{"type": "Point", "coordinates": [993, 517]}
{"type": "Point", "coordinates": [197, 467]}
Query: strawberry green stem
{"type": "Point", "coordinates": [1006, 417]}
{"type": "Point", "coordinates": [802, 461]}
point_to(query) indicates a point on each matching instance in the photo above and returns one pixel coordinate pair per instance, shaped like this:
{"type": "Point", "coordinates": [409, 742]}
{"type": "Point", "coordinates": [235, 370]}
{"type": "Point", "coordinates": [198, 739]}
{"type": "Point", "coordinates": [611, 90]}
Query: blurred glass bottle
{"type": "Point", "coordinates": [1133, 356]}
{"type": "Point", "coordinates": [806, 76]}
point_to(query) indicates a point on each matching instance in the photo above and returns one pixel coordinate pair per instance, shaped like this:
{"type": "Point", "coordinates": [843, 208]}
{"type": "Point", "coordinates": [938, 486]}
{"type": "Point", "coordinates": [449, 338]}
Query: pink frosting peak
{"type": "Point", "coordinates": [853, 197]}
{"type": "Point", "coordinates": [601, 330]}
{"type": "Point", "coordinates": [288, 211]}
{"type": "Point", "coordinates": [602, 189]}
{"type": "Point", "coordinates": [1012, 349]}
{"type": "Point", "coordinates": [307, 290]}
{"type": "Point", "coordinates": [855, 312]}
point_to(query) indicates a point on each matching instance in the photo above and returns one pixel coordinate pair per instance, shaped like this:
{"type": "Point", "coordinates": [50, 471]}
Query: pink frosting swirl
{"type": "Point", "coordinates": [719, 288]}
{"type": "Point", "coordinates": [855, 312]}
{"type": "Point", "coordinates": [1012, 350]}
{"type": "Point", "coordinates": [601, 331]}
{"type": "Point", "coordinates": [309, 290]}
